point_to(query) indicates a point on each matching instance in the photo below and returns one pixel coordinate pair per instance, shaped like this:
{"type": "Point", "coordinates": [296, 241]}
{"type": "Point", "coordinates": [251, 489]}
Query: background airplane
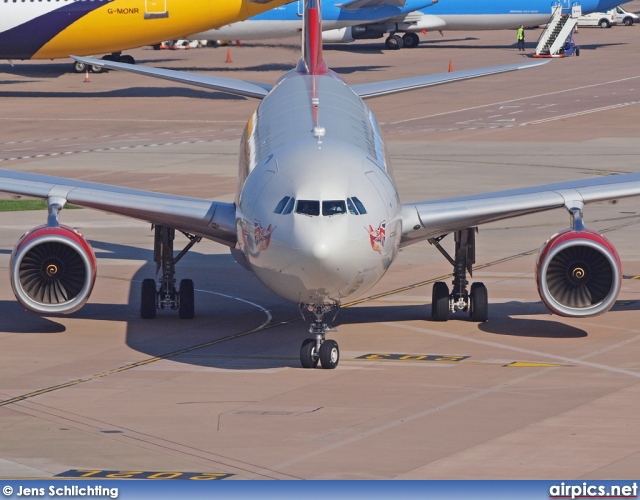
{"type": "Point", "coordinates": [286, 20]}
{"type": "Point", "coordinates": [340, 26]}
{"type": "Point", "coordinates": [317, 217]}
{"type": "Point", "coordinates": [51, 30]}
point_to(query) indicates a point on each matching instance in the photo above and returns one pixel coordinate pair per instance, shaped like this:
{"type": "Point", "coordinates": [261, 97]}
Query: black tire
{"type": "Point", "coordinates": [628, 21]}
{"type": "Point", "coordinates": [410, 40]}
{"type": "Point", "coordinates": [329, 354]}
{"type": "Point", "coordinates": [308, 356]}
{"type": "Point", "coordinates": [393, 42]}
{"type": "Point", "coordinates": [577, 51]}
{"type": "Point", "coordinates": [187, 300]}
{"type": "Point", "coordinates": [94, 68]}
{"type": "Point", "coordinates": [479, 310]}
{"type": "Point", "coordinates": [604, 23]}
{"type": "Point", "coordinates": [440, 301]}
{"type": "Point", "coordinates": [148, 299]}
{"type": "Point", "coordinates": [79, 67]}
{"type": "Point", "coordinates": [127, 59]}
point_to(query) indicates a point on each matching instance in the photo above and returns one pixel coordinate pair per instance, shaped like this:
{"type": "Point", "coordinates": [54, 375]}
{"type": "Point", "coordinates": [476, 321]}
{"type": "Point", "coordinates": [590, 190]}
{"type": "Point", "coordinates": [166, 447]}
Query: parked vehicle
{"type": "Point", "coordinates": [602, 19]}
{"type": "Point", "coordinates": [626, 18]}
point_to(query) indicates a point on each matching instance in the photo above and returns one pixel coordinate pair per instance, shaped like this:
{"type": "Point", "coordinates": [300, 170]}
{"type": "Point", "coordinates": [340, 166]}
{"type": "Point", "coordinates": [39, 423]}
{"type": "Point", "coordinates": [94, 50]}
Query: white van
{"type": "Point", "coordinates": [624, 17]}
{"type": "Point", "coordinates": [602, 19]}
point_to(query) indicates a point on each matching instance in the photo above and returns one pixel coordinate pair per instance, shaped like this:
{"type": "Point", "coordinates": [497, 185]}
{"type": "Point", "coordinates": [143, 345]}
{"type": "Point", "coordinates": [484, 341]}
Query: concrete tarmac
{"type": "Point", "coordinates": [526, 395]}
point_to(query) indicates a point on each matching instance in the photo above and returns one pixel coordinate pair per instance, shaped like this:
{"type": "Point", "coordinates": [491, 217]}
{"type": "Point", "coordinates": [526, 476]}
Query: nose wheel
{"type": "Point", "coordinates": [318, 348]}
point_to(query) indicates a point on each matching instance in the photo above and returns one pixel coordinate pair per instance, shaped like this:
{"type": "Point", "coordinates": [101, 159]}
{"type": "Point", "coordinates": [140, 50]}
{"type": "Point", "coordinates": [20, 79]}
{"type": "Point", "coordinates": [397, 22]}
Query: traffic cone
{"type": "Point", "coordinates": [86, 77]}
{"type": "Point", "coordinates": [228, 56]}
{"type": "Point", "coordinates": [450, 66]}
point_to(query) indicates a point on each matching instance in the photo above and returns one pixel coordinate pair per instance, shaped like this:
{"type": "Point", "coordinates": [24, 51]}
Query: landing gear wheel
{"type": "Point", "coordinates": [79, 67]}
{"type": "Point", "coordinates": [479, 309]}
{"type": "Point", "coordinates": [410, 40]}
{"type": "Point", "coordinates": [308, 356]}
{"type": "Point", "coordinates": [186, 309]}
{"type": "Point", "coordinates": [394, 42]}
{"type": "Point", "coordinates": [329, 354]}
{"type": "Point", "coordinates": [148, 299]}
{"type": "Point", "coordinates": [440, 301]}
{"type": "Point", "coordinates": [577, 51]}
{"type": "Point", "coordinates": [127, 60]}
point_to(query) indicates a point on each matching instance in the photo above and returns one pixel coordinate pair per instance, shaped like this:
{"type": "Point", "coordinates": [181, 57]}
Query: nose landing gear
{"type": "Point", "coordinates": [317, 348]}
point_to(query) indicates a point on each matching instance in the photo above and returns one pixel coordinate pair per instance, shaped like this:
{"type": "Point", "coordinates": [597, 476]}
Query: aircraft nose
{"type": "Point", "coordinates": [321, 247]}
{"type": "Point", "coordinates": [320, 250]}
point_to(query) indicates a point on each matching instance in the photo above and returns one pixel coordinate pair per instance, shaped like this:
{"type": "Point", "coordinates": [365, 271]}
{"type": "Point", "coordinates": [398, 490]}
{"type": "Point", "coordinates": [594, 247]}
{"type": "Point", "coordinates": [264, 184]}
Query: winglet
{"type": "Point", "coordinates": [312, 38]}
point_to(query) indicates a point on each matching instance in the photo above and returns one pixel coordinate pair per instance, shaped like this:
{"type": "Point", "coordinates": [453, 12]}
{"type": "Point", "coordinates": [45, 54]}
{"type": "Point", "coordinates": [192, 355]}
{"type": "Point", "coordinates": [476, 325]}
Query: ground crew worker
{"type": "Point", "coordinates": [520, 37]}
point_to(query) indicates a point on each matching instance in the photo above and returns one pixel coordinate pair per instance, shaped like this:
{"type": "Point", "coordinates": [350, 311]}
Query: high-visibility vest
{"type": "Point", "coordinates": [520, 34]}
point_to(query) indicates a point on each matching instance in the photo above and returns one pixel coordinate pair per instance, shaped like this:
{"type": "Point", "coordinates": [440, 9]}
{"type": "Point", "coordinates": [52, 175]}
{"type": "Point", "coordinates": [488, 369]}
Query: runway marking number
{"type": "Point", "coordinates": [414, 357]}
{"type": "Point", "coordinates": [115, 474]}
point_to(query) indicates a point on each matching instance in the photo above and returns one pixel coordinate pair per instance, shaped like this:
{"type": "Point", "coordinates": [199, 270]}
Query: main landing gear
{"type": "Point", "coordinates": [317, 348]}
{"type": "Point", "coordinates": [475, 301]}
{"type": "Point", "coordinates": [397, 42]}
{"type": "Point", "coordinates": [167, 297]}
{"type": "Point", "coordinates": [80, 67]}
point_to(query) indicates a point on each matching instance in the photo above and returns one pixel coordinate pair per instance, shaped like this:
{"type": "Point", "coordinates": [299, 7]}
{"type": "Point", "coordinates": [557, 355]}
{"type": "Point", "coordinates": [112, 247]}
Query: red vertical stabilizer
{"type": "Point", "coordinates": [312, 38]}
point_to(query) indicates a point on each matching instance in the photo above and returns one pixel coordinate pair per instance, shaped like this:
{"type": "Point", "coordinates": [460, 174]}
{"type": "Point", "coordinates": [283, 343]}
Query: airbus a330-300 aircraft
{"type": "Point", "coordinates": [317, 216]}
{"type": "Point", "coordinates": [54, 29]}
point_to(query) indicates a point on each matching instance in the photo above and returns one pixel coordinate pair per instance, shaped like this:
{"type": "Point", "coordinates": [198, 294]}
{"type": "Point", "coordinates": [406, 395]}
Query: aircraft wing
{"type": "Point", "coordinates": [429, 219]}
{"type": "Point", "coordinates": [361, 4]}
{"type": "Point", "coordinates": [376, 89]}
{"type": "Point", "coordinates": [210, 219]}
{"type": "Point", "coordinates": [228, 85]}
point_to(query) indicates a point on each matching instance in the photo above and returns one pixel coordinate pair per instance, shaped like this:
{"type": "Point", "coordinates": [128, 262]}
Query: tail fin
{"type": "Point", "coordinates": [312, 38]}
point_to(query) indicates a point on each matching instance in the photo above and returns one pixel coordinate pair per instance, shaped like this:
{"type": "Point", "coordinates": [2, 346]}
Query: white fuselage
{"type": "Point", "coordinates": [313, 140]}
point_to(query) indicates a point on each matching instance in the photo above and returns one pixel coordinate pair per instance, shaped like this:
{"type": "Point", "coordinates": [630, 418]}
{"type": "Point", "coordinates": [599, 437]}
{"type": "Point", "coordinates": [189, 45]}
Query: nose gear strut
{"type": "Point", "coordinates": [318, 348]}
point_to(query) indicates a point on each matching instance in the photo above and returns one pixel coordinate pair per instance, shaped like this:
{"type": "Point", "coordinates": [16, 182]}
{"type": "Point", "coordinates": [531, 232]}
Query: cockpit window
{"type": "Point", "coordinates": [359, 205]}
{"type": "Point", "coordinates": [289, 208]}
{"type": "Point", "coordinates": [308, 207]}
{"type": "Point", "coordinates": [333, 207]}
{"type": "Point", "coordinates": [281, 204]}
{"type": "Point", "coordinates": [352, 207]}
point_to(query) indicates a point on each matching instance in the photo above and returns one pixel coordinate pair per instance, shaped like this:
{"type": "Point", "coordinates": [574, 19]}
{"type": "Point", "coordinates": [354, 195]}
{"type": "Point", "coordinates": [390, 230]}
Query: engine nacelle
{"type": "Point", "coordinates": [578, 274]}
{"type": "Point", "coordinates": [351, 33]}
{"type": "Point", "coordinates": [53, 270]}
{"type": "Point", "coordinates": [342, 35]}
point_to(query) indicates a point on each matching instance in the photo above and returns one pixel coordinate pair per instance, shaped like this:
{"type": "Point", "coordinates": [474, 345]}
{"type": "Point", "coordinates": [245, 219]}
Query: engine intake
{"type": "Point", "coordinates": [578, 273]}
{"type": "Point", "coordinates": [53, 270]}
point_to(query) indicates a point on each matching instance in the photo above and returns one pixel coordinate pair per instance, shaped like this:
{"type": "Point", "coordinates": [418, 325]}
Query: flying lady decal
{"type": "Point", "coordinates": [261, 237]}
{"type": "Point", "coordinates": [378, 236]}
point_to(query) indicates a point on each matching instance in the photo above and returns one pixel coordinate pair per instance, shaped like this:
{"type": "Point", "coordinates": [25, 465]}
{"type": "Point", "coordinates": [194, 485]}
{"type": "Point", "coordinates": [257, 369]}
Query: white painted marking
{"type": "Point", "coordinates": [580, 113]}
{"type": "Point", "coordinates": [499, 345]}
{"type": "Point", "coordinates": [511, 100]}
